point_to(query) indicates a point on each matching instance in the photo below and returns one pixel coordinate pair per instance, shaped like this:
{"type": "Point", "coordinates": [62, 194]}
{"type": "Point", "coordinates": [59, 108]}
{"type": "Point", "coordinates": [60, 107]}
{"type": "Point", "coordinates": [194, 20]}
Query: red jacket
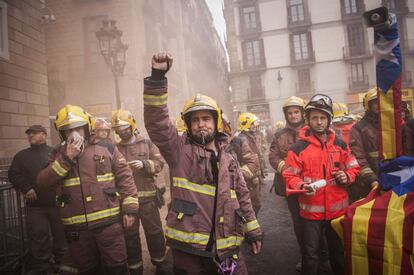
{"type": "Point", "coordinates": [343, 128]}
{"type": "Point", "coordinates": [311, 159]}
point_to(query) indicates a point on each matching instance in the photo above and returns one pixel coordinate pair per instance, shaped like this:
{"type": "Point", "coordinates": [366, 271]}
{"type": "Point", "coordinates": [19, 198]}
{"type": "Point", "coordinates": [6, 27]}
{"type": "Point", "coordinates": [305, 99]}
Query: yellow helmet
{"type": "Point", "coordinates": [370, 95]}
{"type": "Point", "coordinates": [245, 121]}
{"type": "Point", "coordinates": [123, 119]}
{"type": "Point", "coordinates": [180, 125]}
{"type": "Point", "coordinates": [339, 109]}
{"type": "Point", "coordinates": [70, 117]}
{"type": "Point", "coordinates": [202, 102]}
{"type": "Point", "coordinates": [279, 124]}
{"type": "Point", "coordinates": [294, 101]}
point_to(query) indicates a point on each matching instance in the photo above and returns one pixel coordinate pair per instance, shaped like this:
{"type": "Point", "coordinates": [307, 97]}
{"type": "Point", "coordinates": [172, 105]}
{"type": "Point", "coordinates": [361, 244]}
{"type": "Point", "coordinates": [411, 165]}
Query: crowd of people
{"type": "Point", "coordinates": [91, 192]}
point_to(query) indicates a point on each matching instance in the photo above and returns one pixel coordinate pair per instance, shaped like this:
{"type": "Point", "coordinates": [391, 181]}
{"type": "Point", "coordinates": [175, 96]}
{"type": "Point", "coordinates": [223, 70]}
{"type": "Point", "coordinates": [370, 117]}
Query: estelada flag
{"type": "Point", "coordinates": [378, 230]}
{"type": "Point", "coordinates": [388, 70]}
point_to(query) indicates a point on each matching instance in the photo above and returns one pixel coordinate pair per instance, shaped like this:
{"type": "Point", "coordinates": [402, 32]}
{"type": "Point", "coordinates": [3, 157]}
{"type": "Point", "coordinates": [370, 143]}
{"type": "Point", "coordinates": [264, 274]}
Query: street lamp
{"type": "Point", "coordinates": [113, 51]}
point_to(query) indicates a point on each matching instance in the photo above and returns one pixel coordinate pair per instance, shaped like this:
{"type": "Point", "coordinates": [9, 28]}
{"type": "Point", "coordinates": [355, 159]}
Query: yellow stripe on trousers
{"type": "Point", "coordinates": [393, 241]}
{"type": "Point", "coordinates": [388, 127]}
{"type": "Point", "coordinates": [359, 242]}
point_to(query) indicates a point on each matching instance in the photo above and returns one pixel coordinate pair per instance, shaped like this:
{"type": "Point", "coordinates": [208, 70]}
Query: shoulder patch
{"type": "Point", "coordinates": [339, 142]}
{"type": "Point", "coordinates": [299, 146]}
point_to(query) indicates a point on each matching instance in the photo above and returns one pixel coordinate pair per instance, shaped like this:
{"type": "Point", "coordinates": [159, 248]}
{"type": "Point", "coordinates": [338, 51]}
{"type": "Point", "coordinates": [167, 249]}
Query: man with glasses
{"type": "Point", "coordinates": [320, 166]}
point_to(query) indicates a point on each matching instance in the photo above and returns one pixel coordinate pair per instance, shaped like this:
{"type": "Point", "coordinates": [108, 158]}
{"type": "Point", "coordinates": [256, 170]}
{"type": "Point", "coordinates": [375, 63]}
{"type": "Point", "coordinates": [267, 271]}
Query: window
{"type": "Point", "coordinates": [249, 18]}
{"type": "Point", "coordinates": [304, 81]}
{"type": "Point", "coordinates": [357, 73]}
{"type": "Point", "coordinates": [296, 10]}
{"type": "Point", "coordinates": [301, 46]}
{"type": "Point", "coordinates": [90, 26]}
{"type": "Point", "coordinates": [253, 53]}
{"type": "Point", "coordinates": [256, 89]}
{"type": "Point", "coordinates": [351, 6]}
{"type": "Point", "coordinates": [4, 38]}
{"type": "Point", "coordinates": [356, 39]}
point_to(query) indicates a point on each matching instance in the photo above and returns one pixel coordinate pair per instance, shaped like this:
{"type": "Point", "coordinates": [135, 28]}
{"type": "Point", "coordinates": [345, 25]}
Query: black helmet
{"type": "Point", "coordinates": [320, 102]}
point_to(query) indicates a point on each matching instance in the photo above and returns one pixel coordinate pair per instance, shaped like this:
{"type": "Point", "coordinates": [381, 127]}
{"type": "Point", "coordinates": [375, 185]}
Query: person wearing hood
{"type": "Point", "coordinates": [364, 145]}
{"type": "Point", "coordinates": [321, 166]}
{"type": "Point", "coordinates": [210, 212]}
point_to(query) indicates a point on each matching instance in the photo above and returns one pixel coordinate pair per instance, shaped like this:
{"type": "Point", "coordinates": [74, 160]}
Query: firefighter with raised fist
{"type": "Point", "coordinates": [96, 194]}
{"type": "Point", "coordinates": [210, 213]}
{"type": "Point", "coordinates": [146, 162]}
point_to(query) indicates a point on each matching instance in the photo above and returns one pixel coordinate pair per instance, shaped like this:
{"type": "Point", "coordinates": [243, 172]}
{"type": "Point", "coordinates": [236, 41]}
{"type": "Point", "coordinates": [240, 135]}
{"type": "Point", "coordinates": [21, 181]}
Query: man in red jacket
{"type": "Point", "coordinates": [319, 156]}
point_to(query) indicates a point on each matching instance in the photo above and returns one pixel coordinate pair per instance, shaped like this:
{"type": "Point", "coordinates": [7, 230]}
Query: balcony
{"type": "Point", "coordinates": [348, 15]}
{"type": "Point", "coordinates": [398, 7]}
{"type": "Point", "coordinates": [359, 52]}
{"type": "Point", "coordinates": [406, 80]}
{"type": "Point", "coordinates": [303, 61]}
{"type": "Point", "coordinates": [358, 84]}
{"type": "Point", "coordinates": [305, 89]}
{"type": "Point", "coordinates": [295, 23]}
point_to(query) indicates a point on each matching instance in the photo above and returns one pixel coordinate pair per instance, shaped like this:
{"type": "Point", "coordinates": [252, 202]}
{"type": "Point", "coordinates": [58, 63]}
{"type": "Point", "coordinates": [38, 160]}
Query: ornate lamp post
{"type": "Point", "coordinates": [113, 51]}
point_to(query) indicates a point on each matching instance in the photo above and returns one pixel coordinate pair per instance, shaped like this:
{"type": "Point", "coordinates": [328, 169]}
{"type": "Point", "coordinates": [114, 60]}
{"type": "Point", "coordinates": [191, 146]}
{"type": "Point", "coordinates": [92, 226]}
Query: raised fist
{"type": "Point", "coordinates": [162, 61]}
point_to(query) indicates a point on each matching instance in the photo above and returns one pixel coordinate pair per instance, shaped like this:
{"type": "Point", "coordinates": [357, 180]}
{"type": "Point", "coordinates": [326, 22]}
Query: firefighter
{"type": "Point", "coordinates": [96, 194]}
{"type": "Point", "coordinates": [146, 162]}
{"type": "Point", "coordinates": [364, 145]}
{"type": "Point", "coordinates": [320, 155]}
{"type": "Point", "coordinates": [294, 112]}
{"type": "Point", "coordinates": [342, 123]}
{"type": "Point", "coordinates": [247, 126]}
{"type": "Point", "coordinates": [210, 212]}
{"type": "Point", "coordinates": [42, 213]}
{"type": "Point", "coordinates": [101, 128]}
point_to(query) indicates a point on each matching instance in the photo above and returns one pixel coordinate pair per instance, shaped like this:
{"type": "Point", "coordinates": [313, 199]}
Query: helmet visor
{"type": "Point", "coordinates": [321, 100]}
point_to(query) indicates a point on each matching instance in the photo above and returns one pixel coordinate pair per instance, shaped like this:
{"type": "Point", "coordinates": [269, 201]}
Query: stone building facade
{"type": "Point", "coordinates": [280, 48]}
{"type": "Point", "coordinates": [23, 73]}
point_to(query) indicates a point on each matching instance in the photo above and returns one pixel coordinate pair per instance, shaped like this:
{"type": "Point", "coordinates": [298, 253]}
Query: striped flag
{"type": "Point", "coordinates": [377, 233]}
{"type": "Point", "coordinates": [388, 69]}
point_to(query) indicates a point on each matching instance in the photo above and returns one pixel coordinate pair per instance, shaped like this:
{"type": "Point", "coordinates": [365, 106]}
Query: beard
{"type": "Point", "coordinates": [295, 124]}
{"type": "Point", "coordinates": [125, 136]}
{"type": "Point", "coordinates": [203, 138]}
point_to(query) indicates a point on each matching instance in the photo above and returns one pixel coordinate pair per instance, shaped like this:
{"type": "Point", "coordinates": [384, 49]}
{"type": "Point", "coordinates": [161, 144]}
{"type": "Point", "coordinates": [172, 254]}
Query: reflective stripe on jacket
{"type": "Point", "coordinates": [193, 190]}
{"type": "Point", "coordinates": [309, 160]}
{"type": "Point", "coordinates": [93, 189]}
{"type": "Point", "coordinates": [148, 153]}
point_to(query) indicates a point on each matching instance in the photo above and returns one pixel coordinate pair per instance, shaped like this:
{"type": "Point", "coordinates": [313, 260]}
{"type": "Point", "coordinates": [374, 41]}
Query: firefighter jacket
{"type": "Point", "coordinates": [203, 209]}
{"type": "Point", "coordinates": [310, 159]}
{"type": "Point", "coordinates": [92, 189]}
{"type": "Point", "coordinates": [25, 166]}
{"type": "Point", "coordinates": [364, 145]}
{"type": "Point", "coordinates": [279, 148]}
{"type": "Point", "coordinates": [342, 127]}
{"type": "Point", "coordinates": [254, 144]}
{"type": "Point", "coordinates": [249, 161]}
{"type": "Point", "coordinates": [145, 178]}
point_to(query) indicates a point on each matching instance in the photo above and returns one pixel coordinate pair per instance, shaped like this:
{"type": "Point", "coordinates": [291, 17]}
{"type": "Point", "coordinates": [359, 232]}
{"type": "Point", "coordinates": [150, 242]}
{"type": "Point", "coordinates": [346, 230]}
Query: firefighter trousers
{"type": "Point", "coordinates": [149, 216]}
{"type": "Point", "coordinates": [189, 264]}
{"type": "Point", "coordinates": [102, 247]}
{"type": "Point", "coordinates": [42, 224]}
{"type": "Point", "coordinates": [254, 187]}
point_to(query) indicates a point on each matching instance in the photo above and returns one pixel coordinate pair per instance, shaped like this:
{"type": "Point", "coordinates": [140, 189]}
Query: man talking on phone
{"type": "Point", "coordinates": [96, 194]}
